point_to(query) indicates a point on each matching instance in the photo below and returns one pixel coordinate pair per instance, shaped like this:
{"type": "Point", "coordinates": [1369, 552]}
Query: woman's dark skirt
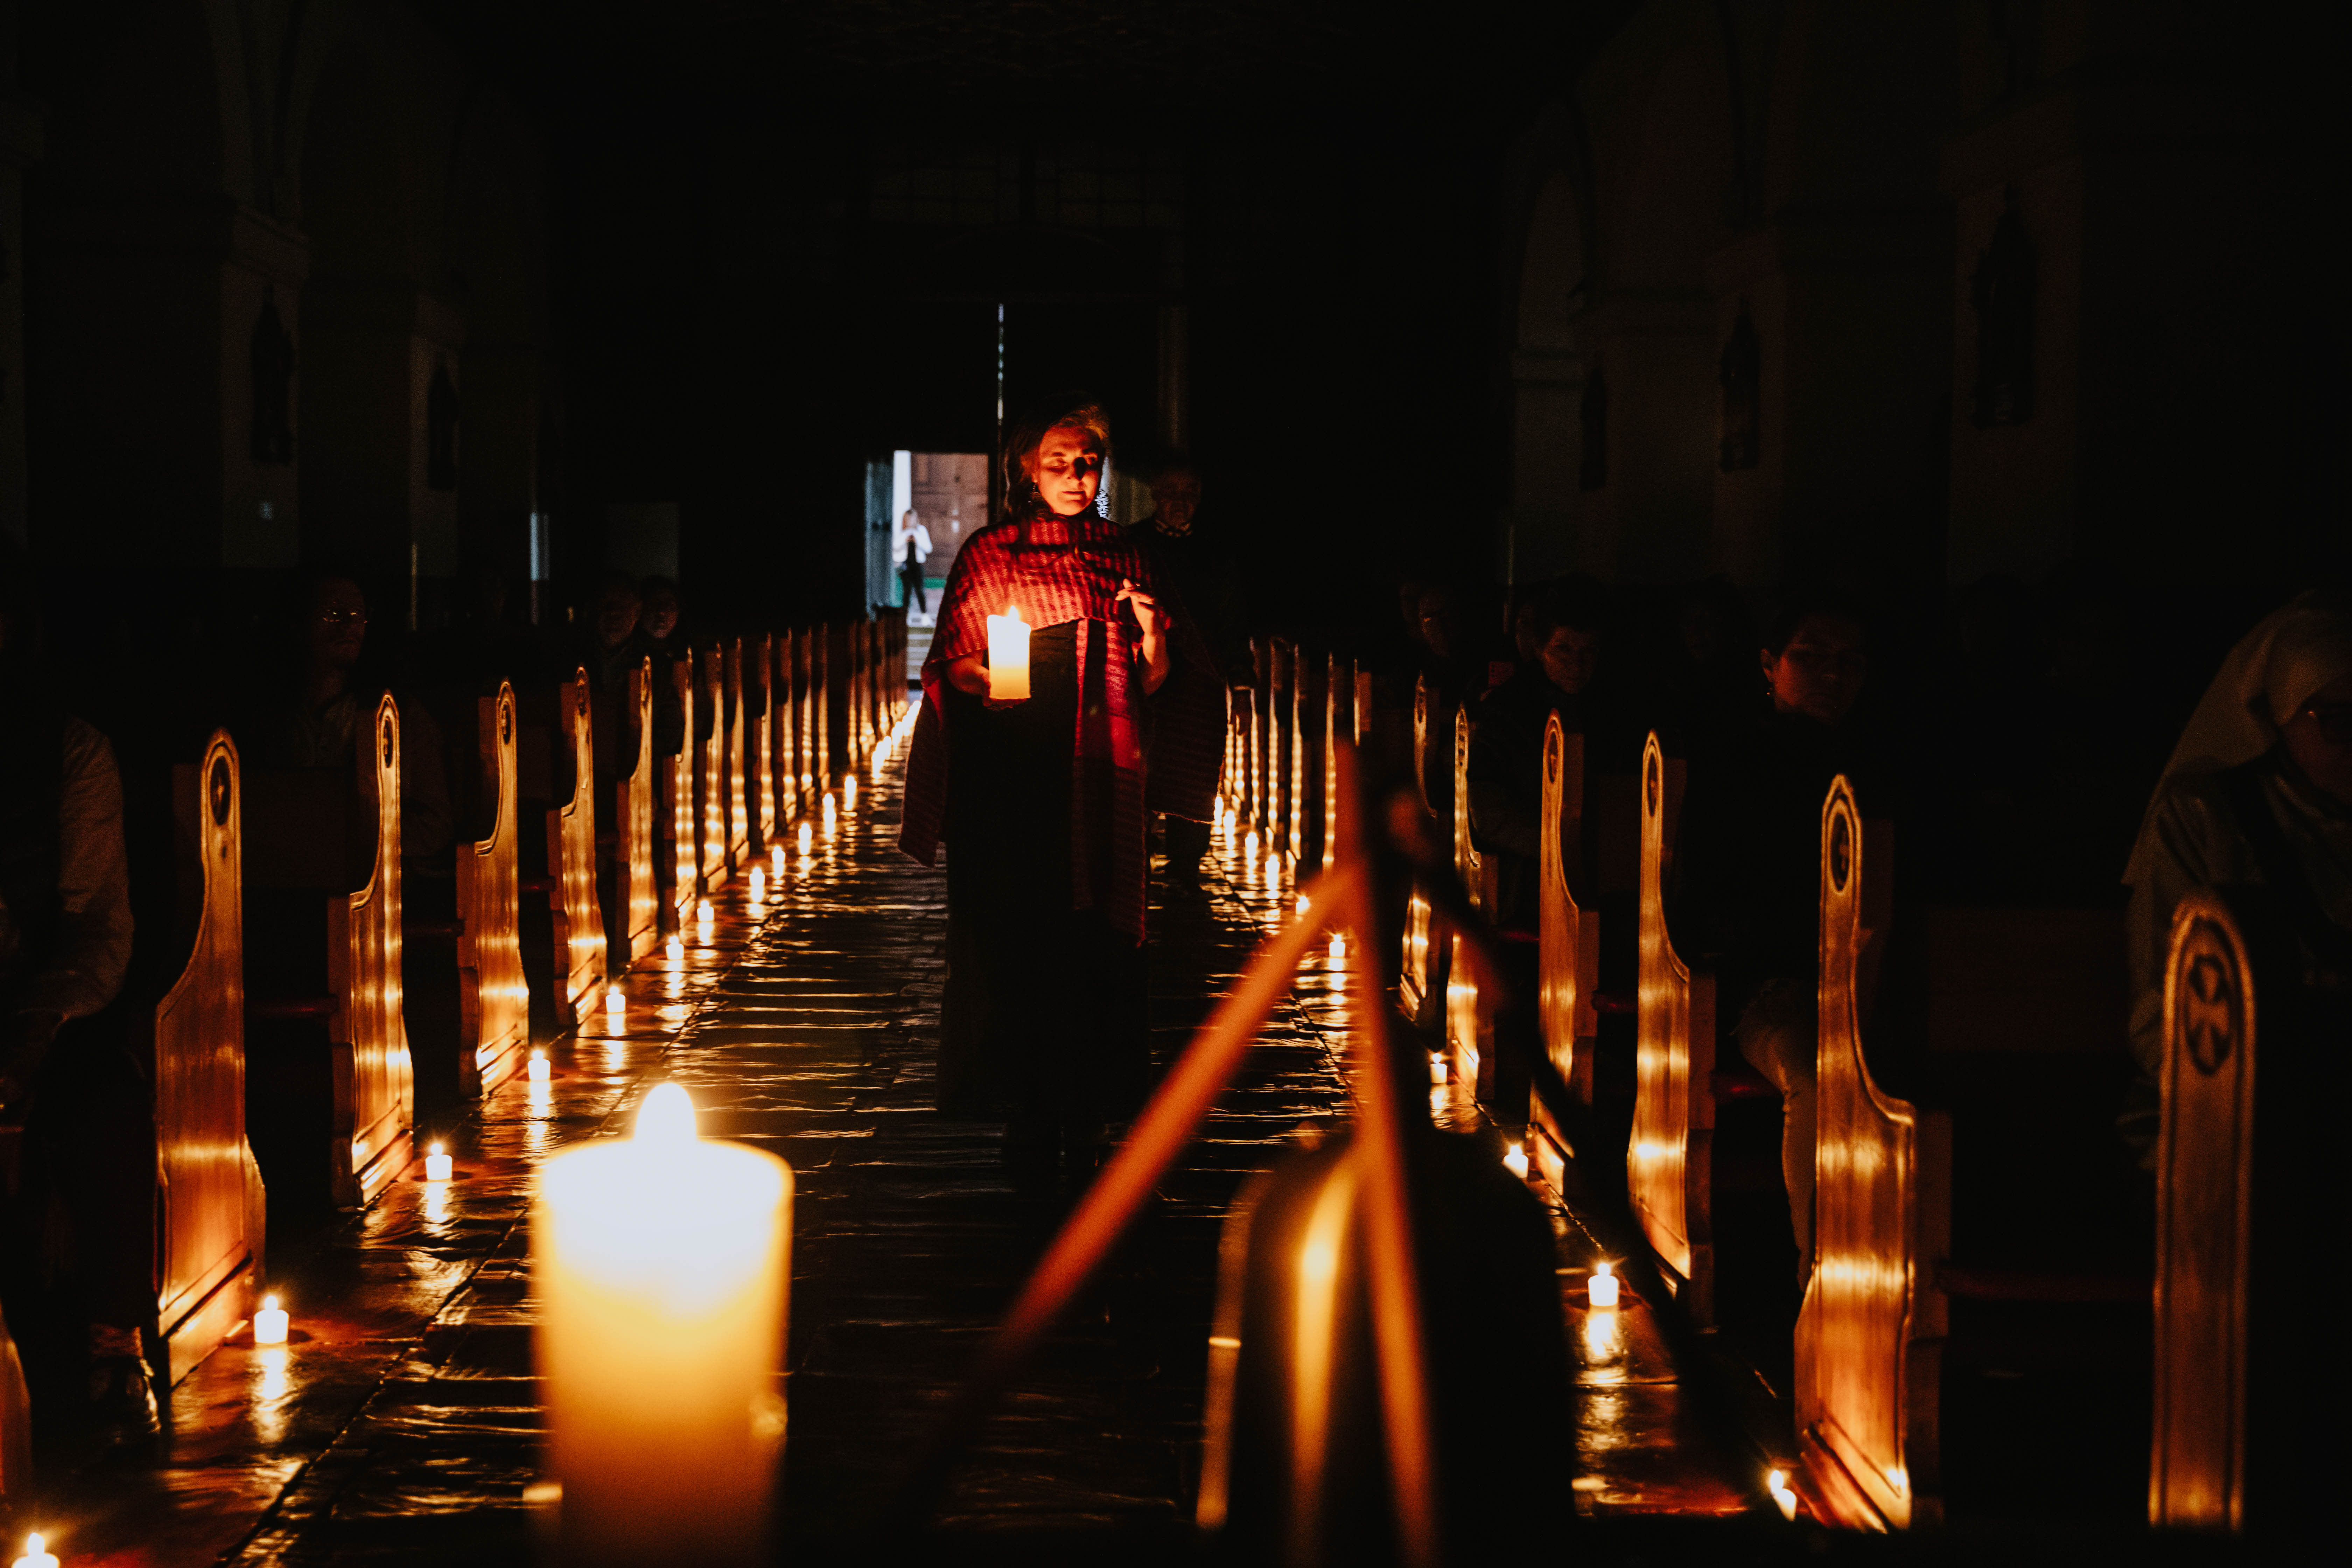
{"type": "Point", "coordinates": [1043, 1015]}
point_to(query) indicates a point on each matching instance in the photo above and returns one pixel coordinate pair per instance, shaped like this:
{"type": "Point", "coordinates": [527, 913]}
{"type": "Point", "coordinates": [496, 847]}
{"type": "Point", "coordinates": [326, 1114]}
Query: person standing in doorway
{"type": "Point", "coordinates": [914, 548]}
{"type": "Point", "coordinates": [1043, 800]}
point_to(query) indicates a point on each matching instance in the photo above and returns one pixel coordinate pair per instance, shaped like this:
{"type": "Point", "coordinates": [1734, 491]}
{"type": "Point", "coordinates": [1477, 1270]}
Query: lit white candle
{"type": "Point", "coordinates": [776, 862]}
{"type": "Point", "coordinates": [614, 1002]}
{"type": "Point", "coordinates": [661, 1264]}
{"type": "Point", "coordinates": [702, 912]}
{"type": "Point", "coordinates": [1515, 1160]}
{"type": "Point", "coordinates": [1437, 1072]}
{"type": "Point", "coordinates": [1600, 1291]}
{"type": "Point", "coordinates": [438, 1166]}
{"type": "Point", "coordinates": [540, 1070]}
{"type": "Point", "coordinates": [1786, 1498]}
{"type": "Point", "coordinates": [269, 1323]}
{"type": "Point", "coordinates": [807, 836]}
{"type": "Point", "coordinates": [849, 791]}
{"type": "Point", "coordinates": [36, 1553]}
{"type": "Point", "coordinates": [674, 948]}
{"type": "Point", "coordinates": [1008, 656]}
{"type": "Point", "coordinates": [759, 884]}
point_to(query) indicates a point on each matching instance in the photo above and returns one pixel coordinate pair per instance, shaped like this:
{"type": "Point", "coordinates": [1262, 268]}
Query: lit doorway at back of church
{"type": "Point", "coordinates": [937, 501]}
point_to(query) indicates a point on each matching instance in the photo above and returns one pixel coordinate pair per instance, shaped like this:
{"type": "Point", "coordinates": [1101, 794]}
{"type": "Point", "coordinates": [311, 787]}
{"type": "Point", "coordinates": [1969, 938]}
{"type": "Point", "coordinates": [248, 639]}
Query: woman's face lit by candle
{"type": "Point", "coordinates": [1066, 468]}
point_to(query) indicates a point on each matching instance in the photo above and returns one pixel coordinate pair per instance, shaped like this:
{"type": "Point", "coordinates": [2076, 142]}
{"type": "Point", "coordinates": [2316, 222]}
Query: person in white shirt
{"type": "Point", "coordinates": [913, 547]}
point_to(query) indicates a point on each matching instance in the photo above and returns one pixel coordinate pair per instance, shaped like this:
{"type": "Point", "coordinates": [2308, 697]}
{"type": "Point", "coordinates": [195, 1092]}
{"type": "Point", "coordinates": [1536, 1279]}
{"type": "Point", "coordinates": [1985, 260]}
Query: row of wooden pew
{"type": "Point", "coordinates": [304, 990]}
{"type": "Point", "coordinates": [2007, 1024]}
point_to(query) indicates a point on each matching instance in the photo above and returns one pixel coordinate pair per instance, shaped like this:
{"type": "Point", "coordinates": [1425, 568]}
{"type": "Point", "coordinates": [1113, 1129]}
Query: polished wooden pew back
{"type": "Point", "coordinates": [213, 1216]}
{"type": "Point", "coordinates": [636, 847]}
{"type": "Point", "coordinates": [1668, 1165]}
{"type": "Point", "coordinates": [494, 999]}
{"type": "Point", "coordinates": [1567, 951]}
{"type": "Point", "coordinates": [579, 921]}
{"type": "Point", "coordinates": [1871, 1332]}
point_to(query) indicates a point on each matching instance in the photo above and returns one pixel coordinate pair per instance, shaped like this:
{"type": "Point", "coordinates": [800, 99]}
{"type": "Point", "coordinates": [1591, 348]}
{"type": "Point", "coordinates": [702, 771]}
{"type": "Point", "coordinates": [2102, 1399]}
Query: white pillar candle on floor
{"type": "Point", "coordinates": [269, 1323]}
{"type": "Point", "coordinates": [1515, 1160]}
{"type": "Point", "coordinates": [538, 1067]}
{"type": "Point", "coordinates": [1600, 1291]}
{"type": "Point", "coordinates": [438, 1167]}
{"type": "Point", "coordinates": [36, 1553]}
{"type": "Point", "coordinates": [1008, 657]}
{"type": "Point", "coordinates": [661, 1261]}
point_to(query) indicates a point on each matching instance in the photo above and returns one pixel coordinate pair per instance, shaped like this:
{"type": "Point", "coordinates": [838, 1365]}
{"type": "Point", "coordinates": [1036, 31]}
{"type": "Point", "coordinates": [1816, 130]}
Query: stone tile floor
{"type": "Point", "coordinates": [402, 1426]}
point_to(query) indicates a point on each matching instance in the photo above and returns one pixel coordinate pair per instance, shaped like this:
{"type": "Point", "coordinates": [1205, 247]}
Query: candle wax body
{"type": "Point", "coordinates": [438, 1167]}
{"type": "Point", "coordinates": [662, 1267]}
{"type": "Point", "coordinates": [1008, 659]}
{"type": "Point", "coordinates": [1600, 1291]}
{"type": "Point", "coordinates": [270, 1326]}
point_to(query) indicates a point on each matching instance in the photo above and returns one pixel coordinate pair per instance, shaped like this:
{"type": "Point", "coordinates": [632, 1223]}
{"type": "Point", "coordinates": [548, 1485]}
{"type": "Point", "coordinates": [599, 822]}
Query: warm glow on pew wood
{"type": "Point", "coordinates": [1669, 1160]}
{"type": "Point", "coordinates": [1870, 1334]}
{"type": "Point", "coordinates": [578, 922]}
{"type": "Point", "coordinates": [494, 1000]}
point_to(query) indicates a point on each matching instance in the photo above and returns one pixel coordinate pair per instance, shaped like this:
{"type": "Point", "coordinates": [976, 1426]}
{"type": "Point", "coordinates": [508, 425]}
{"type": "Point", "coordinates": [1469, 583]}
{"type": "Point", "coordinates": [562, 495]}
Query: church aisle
{"type": "Point", "coordinates": [403, 1425]}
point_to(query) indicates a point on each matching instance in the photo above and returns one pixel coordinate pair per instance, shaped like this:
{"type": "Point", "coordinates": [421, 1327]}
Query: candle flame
{"type": "Point", "coordinates": [35, 1545]}
{"type": "Point", "coordinates": [270, 1303]}
{"type": "Point", "coordinates": [666, 1116]}
{"type": "Point", "coordinates": [1777, 1480]}
{"type": "Point", "coordinates": [1011, 613]}
{"type": "Point", "coordinates": [434, 1149]}
{"type": "Point", "coordinates": [1601, 1269]}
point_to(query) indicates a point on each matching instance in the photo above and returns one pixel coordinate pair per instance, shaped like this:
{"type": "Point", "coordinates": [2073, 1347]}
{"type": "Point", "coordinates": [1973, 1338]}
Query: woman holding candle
{"type": "Point", "coordinates": [1043, 797]}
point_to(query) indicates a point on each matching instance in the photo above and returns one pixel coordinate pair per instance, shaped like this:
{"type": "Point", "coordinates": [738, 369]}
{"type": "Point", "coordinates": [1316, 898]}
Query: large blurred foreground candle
{"type": "Point", "coordinates": [1008, 657]}
{"type": "Point", "coordinates": [661, 1262]}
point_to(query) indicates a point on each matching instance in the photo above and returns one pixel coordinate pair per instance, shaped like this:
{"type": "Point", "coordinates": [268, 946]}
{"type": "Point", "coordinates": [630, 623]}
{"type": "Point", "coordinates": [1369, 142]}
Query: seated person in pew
{"type": "Point", "coordinates": [618, 641]}
{"type": "Point", "coordinates": [1748, 861]}
{"type": "Point", "coordinates": [2258, 791]}
{"type": "Point", "coordinates": [318, 718]}
{"type": "Point", "coordinates": [657, 623]}
{"type": "Point", "coordinates": [84, 1219]}
{"type": "Point", "coordinates": [1564, 624]}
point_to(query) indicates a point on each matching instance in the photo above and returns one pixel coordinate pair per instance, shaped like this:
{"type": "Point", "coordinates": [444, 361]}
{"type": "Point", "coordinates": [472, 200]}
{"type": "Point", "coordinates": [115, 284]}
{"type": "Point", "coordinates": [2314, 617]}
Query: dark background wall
{"type": "Point", "coordinates": [1370, 267]}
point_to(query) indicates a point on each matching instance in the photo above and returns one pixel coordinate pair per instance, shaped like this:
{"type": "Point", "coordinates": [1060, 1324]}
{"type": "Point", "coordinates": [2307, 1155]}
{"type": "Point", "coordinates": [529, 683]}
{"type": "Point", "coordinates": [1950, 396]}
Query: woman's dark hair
{"type": "Point", "coordinates": [1812, 604]}
{"type": "Point", "coordinates": [1021, 443]}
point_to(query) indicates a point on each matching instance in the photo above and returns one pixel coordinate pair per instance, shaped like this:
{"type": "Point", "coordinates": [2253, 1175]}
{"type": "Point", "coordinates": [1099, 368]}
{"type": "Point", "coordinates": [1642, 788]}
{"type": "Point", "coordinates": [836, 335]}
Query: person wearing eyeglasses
{"type": "Point", "coordinates": [2259, 791]}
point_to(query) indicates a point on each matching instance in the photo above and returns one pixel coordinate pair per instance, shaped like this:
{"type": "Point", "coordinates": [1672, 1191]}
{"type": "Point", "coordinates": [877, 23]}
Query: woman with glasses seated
{"type": "Point", "coordinates": [2259, 791]}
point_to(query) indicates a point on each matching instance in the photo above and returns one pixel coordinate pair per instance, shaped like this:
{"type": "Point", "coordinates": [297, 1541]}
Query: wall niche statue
{"type": "Point", "coordinates": [1592, 414]}
{"type": "Point", "coordinates": [273, 384]}
{"type": "Point", "coordinates": [2002, 292]}
{"type": "Point", "coordinates": [441, 429]}
{"type": "Point", "coordinates": [1741, 444]}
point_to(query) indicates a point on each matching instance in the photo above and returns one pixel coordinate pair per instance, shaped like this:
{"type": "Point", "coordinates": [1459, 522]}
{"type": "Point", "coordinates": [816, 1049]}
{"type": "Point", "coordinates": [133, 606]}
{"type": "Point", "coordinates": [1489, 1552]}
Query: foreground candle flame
{"type": "Point", "coordinates": [1515, 1160]}
{"type": "Point", "coordinates": [659, 1261]}
{"type": "Point", "coordinates": [1600, 1291]}
{"type": "Point", "coordinates": [269, 1323]}
{"type": "Point", "coordinates": [538, 1067]}
{"type": "Point", "coordinates": [666, 1116]}
{"type": "Point", "coordinates": [438, 1166]}
{"type": "Point", "coordinates": [36, 1553]}
{"type": "Point", "coordinates": [1778, 1484]}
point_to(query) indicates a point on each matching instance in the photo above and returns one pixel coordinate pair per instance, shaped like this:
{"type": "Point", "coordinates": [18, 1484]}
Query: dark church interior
{"type": "Point", "coordinates": [1171, 781]}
